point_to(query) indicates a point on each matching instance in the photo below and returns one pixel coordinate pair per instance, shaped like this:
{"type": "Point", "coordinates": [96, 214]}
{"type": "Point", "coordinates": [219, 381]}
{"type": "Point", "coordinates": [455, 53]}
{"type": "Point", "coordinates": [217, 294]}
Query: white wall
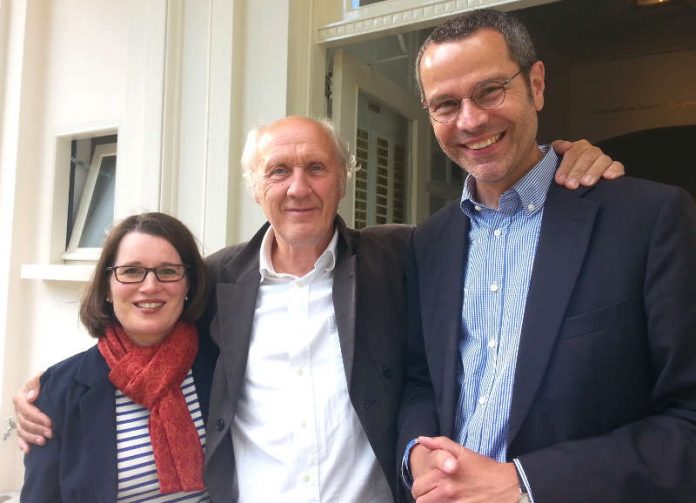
{"type": "Point", "coordinates": [180, 82]}
{"type": "Point", "coordinates": [65, 67]}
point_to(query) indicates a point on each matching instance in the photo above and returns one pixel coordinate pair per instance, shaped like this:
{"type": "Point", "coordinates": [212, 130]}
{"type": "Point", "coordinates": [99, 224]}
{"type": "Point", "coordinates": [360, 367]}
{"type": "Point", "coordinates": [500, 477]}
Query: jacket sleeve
{"type": "Point", "coordinates": [41, 475]}
{"type": "Point", "coordinates": [654, 458]}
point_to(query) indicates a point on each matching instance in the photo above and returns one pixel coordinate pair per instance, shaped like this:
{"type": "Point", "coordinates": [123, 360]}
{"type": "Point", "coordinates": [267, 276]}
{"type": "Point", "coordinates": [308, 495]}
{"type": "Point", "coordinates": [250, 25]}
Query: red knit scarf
{"type": "Point", "coordinates": [152, 377]}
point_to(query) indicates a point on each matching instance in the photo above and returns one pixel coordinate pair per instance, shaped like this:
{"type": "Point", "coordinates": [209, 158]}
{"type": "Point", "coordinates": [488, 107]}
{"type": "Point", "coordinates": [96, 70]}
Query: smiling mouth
{"type": "Point", "coordinates": [149, 304]}
{"type": "Point", "coordinates": [484, 143]}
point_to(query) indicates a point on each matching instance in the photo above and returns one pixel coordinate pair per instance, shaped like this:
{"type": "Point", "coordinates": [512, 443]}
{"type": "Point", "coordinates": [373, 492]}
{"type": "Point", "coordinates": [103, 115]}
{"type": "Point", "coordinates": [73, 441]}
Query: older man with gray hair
{"type": "Point", "coordinates": [310, 321]}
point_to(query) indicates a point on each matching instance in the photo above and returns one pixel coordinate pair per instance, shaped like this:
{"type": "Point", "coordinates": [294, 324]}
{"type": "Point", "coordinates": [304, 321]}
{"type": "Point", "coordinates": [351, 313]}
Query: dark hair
{"type": "Point", "coordinates": [97, 314]}
{"type": "Point", "coordinates": [517, 38]}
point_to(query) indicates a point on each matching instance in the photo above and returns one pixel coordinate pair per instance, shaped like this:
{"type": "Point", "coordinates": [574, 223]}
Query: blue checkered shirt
{"type": "Point", "coordinates": [502, 246]}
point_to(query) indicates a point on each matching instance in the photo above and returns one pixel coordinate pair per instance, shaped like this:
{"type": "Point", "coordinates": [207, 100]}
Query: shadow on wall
{"type": "Point", "coordinates": [664, 154]}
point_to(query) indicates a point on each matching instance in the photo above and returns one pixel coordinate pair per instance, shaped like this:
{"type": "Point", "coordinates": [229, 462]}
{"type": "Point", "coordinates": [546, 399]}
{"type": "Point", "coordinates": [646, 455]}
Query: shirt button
{"type": "Point", "coordinates": [492, 343]}
{"type": "Point", "coordinates": [482, 400]}
{"type": "Point", "coordinates": [494, 287]}
{"type": "Point", "coordinates": [305, 477]}
{"type": "Point", "coordinates": [531, 207]}
{"type": "Point", "coordinates": [303, 424]}
{"type": "Point", "coordinates": [300, 372]}
{"type": "Point", "coordinates": [477, 208]}
{"type": "Point", "coordinates": [299, 284]}
{"type": "Point", "coordinates": [497, 232]}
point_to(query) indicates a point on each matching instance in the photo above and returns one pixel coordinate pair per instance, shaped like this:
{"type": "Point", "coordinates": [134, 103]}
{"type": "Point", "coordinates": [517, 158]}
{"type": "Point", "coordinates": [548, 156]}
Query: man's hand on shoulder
{"type": "Point", "coordinates": [33, 426]}
{"type": "Point", "coordinates": [584, 164]}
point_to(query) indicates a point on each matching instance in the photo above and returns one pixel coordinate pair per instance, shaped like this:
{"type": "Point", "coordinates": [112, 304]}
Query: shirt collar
{"type": "Point", "coordinates": [528, 193]}
{"type": "Point", "coordinates": [325, 263]}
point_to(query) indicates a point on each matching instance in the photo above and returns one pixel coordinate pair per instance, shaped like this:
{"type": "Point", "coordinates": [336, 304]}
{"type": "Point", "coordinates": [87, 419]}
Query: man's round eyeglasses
{"type": "Point", "coordinates": [137, 274]}
{"type": "Point", "coordinates": [486, 95]}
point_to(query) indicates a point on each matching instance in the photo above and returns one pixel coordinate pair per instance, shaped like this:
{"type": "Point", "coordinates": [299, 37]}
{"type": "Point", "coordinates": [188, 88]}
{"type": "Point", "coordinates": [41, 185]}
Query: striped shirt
{"type": "Point", "coordinates": [502, 247]}
{"type": "Point", "coordinates": [137, 475]}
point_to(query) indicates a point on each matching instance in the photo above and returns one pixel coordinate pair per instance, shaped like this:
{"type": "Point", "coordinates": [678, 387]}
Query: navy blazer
{"type": "Point", "coordinates": [604, 396]}
{"type": "Point", "coordinates": [370, 308]}
{"type": "Point", "coordinates": [79, 464]}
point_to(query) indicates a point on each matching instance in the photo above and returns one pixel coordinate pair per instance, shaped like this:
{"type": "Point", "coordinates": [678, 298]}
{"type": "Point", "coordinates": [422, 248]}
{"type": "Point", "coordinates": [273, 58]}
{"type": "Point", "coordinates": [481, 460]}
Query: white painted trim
{"type": "Point", "coordinates": [406, 15]}
{"type": "Point", "coordinates": [58, 272]}
{"type": "Point", "coordinates": [171, 108]}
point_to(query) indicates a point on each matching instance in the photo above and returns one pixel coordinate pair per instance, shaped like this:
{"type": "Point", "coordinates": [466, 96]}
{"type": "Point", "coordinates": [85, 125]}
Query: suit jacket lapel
{"type": "Point", "coordinates": [565, 234]}
{"type": "Point", "coordinates": [233, 323]}
{"type": "Point", "coordinates": [344, 295]}
{"type": "Point", "coordinates": [98, 417]}
{"type": "Point", "coordinates": [441, 297]}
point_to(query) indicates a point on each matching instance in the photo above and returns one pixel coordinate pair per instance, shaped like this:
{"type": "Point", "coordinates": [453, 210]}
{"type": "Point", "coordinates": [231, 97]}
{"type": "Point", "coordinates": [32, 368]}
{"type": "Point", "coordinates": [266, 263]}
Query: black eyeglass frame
{"type": "Point", "coordinates": [114, 269]}
{"type": "Point", "coordinates": [502, 84]}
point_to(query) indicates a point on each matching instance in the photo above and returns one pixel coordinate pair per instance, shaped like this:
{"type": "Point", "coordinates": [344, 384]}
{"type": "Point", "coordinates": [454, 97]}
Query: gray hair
{"type": "Point", "coordinates": [517, 38]}
{"type": "Point", "coordinates": [250, 153]}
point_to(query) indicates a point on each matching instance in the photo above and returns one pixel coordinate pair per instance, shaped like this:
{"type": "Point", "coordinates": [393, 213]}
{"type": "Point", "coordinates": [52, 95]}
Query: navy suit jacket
{"type": "Point", "coordinates": [604, 396]}
{"type": "Point", "coordinates": [370, 308]}
{"type": "Point", "coordinates": [79, 464]}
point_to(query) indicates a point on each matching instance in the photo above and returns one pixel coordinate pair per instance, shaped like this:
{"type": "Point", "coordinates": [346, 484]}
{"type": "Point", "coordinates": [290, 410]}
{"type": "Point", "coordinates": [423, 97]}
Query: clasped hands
{"type": "Point", "coordinates": [443, 471]}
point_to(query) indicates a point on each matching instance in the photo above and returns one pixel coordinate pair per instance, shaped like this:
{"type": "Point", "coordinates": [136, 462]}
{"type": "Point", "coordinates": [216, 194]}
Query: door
{"type": "Point", "coordinates": [390, 136]}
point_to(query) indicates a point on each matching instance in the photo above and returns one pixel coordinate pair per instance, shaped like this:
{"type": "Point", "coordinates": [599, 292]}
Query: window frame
{"type": "Point", "coordinates": [73, 250]}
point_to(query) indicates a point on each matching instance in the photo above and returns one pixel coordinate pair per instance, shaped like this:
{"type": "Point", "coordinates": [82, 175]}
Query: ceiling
{"type": "Point", "coordinates": [594, 30]}
{"type": "Point", "coordinates": [573, 31]}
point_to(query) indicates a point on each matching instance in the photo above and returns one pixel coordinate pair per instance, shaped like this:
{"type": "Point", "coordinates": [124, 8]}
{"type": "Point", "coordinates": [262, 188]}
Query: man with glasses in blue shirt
{"type": "Point", "coordinates": [552, 333]}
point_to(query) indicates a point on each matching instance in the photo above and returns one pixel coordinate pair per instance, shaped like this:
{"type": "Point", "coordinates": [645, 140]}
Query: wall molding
{"type": "Point", "coordinates": [366, 21]}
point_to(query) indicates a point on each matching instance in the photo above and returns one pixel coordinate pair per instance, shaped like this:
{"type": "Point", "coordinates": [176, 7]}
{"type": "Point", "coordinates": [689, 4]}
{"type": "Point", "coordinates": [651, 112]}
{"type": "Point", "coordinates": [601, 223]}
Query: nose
{"type": "Point", "coordinates": [471, 117]}
{"type": "Point", "coordinates": [299, 184]}
{"type": "Point", "coordinates": [150, 282]}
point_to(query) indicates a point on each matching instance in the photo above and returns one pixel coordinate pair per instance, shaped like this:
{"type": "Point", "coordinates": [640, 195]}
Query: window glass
{"type": "Point", "coordinates": [91, 195]}
{"type": "Point", "coordinates": [100, 215]}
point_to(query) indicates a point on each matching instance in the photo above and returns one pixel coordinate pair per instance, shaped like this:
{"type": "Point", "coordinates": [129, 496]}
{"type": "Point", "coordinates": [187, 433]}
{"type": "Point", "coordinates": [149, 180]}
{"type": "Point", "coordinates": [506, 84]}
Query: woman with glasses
{"type": "Point", "coordinates": [129, 413]}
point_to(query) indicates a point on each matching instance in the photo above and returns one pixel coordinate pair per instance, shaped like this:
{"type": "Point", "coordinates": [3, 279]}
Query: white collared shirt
{"type": "Point", "coordinates": [296, 436]}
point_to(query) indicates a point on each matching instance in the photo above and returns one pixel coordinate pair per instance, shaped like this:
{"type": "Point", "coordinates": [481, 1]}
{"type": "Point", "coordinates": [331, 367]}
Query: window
{"type": "Point", "coordinates": [355, 4]}
{"type": "Point", "coordinates": [381, 149]}
{"type": "Point", "coordinates": [91, 195]}
{"type": "Point", "coordinates": [380, 184]}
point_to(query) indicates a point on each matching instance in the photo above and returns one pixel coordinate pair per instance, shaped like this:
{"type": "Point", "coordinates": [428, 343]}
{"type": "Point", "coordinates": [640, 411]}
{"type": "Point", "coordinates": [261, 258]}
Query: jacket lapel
{"type": "Point", "coordinates": [236, 295]}
{"type": "Point", "coordinates": [441, 300]}
{"type": "Point", "coordinates": [98, 418]}
{"type": "Point", "coordinates": [565, 235]}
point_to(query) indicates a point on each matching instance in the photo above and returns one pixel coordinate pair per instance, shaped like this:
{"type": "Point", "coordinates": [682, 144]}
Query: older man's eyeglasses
{"type": "Point", "coordinates": [137, 274]}
{"type": "Point", "coordinates": [486, 95]}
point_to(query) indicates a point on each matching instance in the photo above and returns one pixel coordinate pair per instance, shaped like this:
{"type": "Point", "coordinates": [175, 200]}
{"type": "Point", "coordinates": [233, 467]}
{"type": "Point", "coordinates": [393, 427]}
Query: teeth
{"type": "Point", "coordinates": [149, 305]}
{"type": "Point", "coordinates": [484, 143]}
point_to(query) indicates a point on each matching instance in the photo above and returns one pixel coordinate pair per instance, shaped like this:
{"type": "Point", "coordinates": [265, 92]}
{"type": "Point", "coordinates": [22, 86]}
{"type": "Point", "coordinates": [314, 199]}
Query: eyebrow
{"type": "Point", "coordinates": [443, 97]}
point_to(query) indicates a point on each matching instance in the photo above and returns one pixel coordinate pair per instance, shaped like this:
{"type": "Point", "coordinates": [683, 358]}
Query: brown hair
{"type": "Point", "coordinates": [97, 314]}
{"type": "Point", "coordinates": [517, 38]}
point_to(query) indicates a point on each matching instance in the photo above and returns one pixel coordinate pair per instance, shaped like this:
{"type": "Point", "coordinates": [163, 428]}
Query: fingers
{"type": "Point", "coordinates": [444, 453]}
{"type": "Point", "coordinates": [33, 426]}
{"type": "Point", "coordinates": [23, 446]}
{"type": "Point", "coordinates": [442, 443]}
{"type": "Point", "coordinates": [615, 170]}
{"type": "Point", "coordinates": [426, 483]}
{"type": "Point", "coordinates": [584, 164]}
{"type": "Point", "coordinates": [562, 146]}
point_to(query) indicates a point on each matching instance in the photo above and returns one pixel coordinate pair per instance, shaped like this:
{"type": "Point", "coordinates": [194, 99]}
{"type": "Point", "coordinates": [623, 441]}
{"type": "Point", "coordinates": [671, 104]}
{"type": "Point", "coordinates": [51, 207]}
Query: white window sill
{"type": "Point", "coordinates": [58, 272]}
